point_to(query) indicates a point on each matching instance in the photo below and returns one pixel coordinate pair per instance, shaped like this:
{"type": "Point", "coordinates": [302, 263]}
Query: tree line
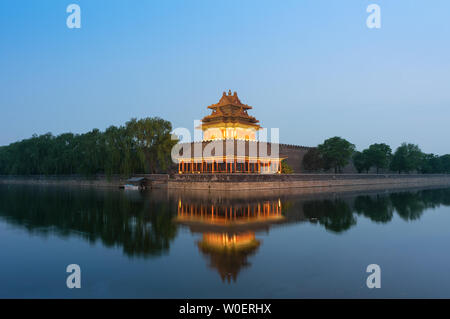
{"type": "Point", "coordinates": [144, 146]}
{"type": "Point", "coordinates": [336, 152]}
{"type": "Point", "coordinates": [139, 146]}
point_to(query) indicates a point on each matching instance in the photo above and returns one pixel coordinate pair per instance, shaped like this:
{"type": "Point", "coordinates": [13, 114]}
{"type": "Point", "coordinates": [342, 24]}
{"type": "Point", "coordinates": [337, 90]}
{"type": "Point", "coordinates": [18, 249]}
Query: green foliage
{"type": "Point", "coordinates": [141, 146]}
{"type": "Point", "coordinates": [336, 153]}
{"type": "Point", "coordinates": [313, 161]}
{"type": "Point", "coordinates": [430, 164]}
{"type": "Point", "coordinates": [285, 168]}
{"type": "Point", "coordinates": [361, 161]}
{"type": "Point", "coordinates": [407, 158]}
{"type": "Point", "coordinates": [153, 141]}
{"type": "Point", "coordinates": [379, 155]}
{"type": "Point", "coordinates": [445, 163]}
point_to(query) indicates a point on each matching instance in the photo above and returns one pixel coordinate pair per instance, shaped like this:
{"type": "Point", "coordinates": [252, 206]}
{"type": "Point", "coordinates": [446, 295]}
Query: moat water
{"type": "Point", "coordinates": [168, 244]}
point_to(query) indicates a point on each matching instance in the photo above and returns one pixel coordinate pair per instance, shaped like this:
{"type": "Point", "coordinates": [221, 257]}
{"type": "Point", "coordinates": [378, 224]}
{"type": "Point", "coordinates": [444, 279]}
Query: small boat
{"type": "Point", "coordinates": [135, 183]}
{"type": "Point", "coordinates": [131, 187]}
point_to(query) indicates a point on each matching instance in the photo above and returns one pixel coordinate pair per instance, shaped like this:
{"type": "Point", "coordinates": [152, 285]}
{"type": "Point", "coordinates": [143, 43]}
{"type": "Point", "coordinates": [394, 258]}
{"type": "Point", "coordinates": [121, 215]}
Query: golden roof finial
{"type": "Point", "coordinates": [229, 92]}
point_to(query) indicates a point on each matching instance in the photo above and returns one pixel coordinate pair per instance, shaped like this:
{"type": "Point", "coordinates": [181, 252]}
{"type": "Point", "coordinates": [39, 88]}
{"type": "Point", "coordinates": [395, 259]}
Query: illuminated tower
{"type": "Point", "coordinates": [229, 120]}
{"type": "Point", "coordinates": [229, 143]}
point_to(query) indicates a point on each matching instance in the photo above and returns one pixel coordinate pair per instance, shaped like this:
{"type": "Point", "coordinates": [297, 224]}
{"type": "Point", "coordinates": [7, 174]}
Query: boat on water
{"type": "Point", "coordinates": [135, 183]}
{"type": "Point", "coordinates": [131, 187]}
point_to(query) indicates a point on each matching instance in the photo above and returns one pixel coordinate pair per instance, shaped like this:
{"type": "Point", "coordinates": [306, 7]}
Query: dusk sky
{"type": "Point", "coordinates": [311, 68]}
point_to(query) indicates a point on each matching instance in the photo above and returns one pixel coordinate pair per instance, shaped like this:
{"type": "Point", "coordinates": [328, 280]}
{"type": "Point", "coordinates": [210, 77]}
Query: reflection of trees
{"type": "Point", "coordinates": [436, 197]}
{"type": "Point", "coordinates": [334, 215]}
{"type": "Point", "coordinates": [377, 208]}
{"type": "Point", "coordinates": [409, 206]}
{"type": "Point", "coordinates": [141, 226]}
{"type": "Point", "coordinates": [337, 215]}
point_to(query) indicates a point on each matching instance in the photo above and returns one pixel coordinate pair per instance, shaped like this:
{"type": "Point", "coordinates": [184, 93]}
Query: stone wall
{"type": "Point", "coordinates": [242, 182]}
{"type": "Point", "coordinates": [294, 154]}
{"type": "Point", "coordinates": [247, 182]}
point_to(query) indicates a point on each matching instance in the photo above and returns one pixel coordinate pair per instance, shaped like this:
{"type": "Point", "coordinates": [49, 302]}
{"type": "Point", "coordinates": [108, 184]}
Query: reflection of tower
{"type": "Point", "coordinates": [228, 253]}
{"type": "Point", "coordinates": [229, 230]}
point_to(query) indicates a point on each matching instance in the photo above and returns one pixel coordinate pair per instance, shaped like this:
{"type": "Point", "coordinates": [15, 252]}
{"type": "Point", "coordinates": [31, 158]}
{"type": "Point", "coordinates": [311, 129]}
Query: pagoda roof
{"type": "Point", "coordinates": [230, 110]}
{"type": "Point", "coordinates": [229, 100]}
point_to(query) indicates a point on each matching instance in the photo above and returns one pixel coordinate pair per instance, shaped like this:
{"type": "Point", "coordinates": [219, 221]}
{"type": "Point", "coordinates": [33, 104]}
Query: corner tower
{"type": "Point", "coordinates": [229, 143]}
{"type": "Point", "coordinates": [229, 120]}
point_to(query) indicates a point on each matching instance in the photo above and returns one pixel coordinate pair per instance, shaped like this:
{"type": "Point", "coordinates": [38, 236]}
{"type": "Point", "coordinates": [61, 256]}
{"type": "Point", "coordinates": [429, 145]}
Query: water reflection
{"type": "Point", "coordinates": [335, 215]}
{"type": "Point", "coordinates": [228, 228]}
{"type": "Point", "coordinates": [142, 226]}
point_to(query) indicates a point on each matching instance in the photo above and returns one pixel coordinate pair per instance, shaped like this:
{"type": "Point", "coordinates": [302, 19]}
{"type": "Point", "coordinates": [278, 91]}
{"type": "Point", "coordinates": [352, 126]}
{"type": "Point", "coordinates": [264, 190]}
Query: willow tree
{"type": "Point", "coordinates": [153, 139]}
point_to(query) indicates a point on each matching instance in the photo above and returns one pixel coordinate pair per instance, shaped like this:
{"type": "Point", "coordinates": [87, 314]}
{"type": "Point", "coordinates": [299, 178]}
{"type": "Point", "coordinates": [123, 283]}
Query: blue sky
{"type": "Point", "coordinates": [310, 67]}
